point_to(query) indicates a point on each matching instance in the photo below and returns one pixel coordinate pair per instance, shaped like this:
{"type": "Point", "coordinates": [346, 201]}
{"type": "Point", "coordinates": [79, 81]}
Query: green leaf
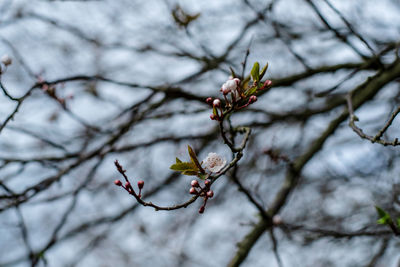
{"type": "Point", "coordinates": [178, 160]}
{"type": "Point", "coordinates": [194, 159]}
{"type": "Point", "coordinates": [380, 211]}
{"type": "Point", "coordinates": [383, 220]}
{"type": "Point", "coordinates": [183, 166]}
{"type": "Point", "coordinates": [384, 217]}
{"type": "Point", "coordinates": [251, 91]}
{"type": "Point", "coordinates": [255, 72]}
{"type": "Point", "coordinates": [232, 72]}
{"type": "Point", "coordinates": [190, 173]}
{"type": "Point", "coordinates": [202, 176]}
{"type": "Point", "coordinates": [263, 71]}
{"type": "Point", "coordinates": [215, 111]}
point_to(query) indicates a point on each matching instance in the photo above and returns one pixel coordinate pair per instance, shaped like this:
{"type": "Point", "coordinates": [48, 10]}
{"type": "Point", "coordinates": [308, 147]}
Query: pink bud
{"type": "Point", "coordinates": [207, 183]}
{"type": "Point", "coordinates": [210, 194]}
{"type": "Point", "coordinates": [127, 185]}
{"type": "Point", "coordinates": [267, 83]}
{"type": "Point", "coordinates": [252, 99]}
{"type": "Point", "coordinates": [217, 103]}
{"type": "Point", "coordinates": [118, 182]}
{"type": "Point", "coordinates": [193, 191]}
{"type": "Point", "coordinates": [194, 183]}
{"type": "Point", "coordinates": [209, 100]}
{"type": "Point", "coordinates": [140, 184]}
{"type": "Point", "coordinates": [213, 117]}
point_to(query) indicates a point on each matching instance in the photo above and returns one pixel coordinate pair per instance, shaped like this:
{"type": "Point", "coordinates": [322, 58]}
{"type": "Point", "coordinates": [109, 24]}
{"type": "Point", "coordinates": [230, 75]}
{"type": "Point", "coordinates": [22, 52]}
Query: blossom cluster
{"type": "Point", "coordinates": [200, 191]}
{"type": "Point", "coordinates": [238, 94]}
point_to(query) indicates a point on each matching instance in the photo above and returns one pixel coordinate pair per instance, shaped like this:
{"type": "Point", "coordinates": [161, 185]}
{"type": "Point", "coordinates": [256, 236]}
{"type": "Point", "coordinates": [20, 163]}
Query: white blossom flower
{"type": "Point", "coordinates": [214, 162]}
{"type": "Point", "coordinates": [228, 86]}
{"type": "Point", "coordinates": [231, 85]}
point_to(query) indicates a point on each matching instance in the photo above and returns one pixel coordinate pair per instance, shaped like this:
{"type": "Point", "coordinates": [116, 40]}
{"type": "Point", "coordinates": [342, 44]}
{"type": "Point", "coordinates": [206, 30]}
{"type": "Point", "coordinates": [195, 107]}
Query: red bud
{"type": "Point", "coordinates": [140, 184]}
{"type": "Point", "coordinates": [252, 99]}
{"type": "Point", "coordinates": [194, 183]}
{"type": "Point", "coordinates": [193, 191]}
{"type": "Point", "coordinates": [201, 210]}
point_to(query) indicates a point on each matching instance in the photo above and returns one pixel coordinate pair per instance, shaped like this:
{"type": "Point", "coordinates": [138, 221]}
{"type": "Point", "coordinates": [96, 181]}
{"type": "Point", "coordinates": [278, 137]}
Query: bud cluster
{"type": "Point", "coordinates": [200, 191]}
{"type": "Point", "coordinates": [128, 187]}
{"type": "Point", "coordinates": [233, 88]}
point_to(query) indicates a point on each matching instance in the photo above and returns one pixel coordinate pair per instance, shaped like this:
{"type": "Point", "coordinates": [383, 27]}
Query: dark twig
{"type": "Point", "coordinates": [377, 137]}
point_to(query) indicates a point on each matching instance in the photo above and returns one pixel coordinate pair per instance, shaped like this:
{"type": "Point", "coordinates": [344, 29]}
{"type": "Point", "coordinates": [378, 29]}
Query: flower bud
{"type": "Point", "coordinates": [194, 183]}
{"type": "Point", "coordinates": [210, 194]}
{"type": "Point", "coordinates": [6, 60]}
{"type": "Point", "coordinates": [193, 191]}
{"type": "Point", "coordinates": [127, 185]}
{"type": "Point", "coordinates": [217, 103]}
{"type": "Point", "coordinates": [213, 117]}
{"type": "Point", "coordinates": [201, 210]}
{"type": "Point", "coordinates": [230, 85]}
{"type": "Point", "coordinates": [237, 81]}
{"type": "Point", "coordinates": [225, 91]}
{"type": "Point", "coordinates": [207, 183]}
{"type": "Point", "coordinates": [118, 182]}
{"type": "Point", "coordinates": [209, 100]}
{"type": "Point", "coordinates": [267, 83]}
{"type": "Point", "coordinates": [140, 184]}
{"type": "Point", "coordinates": [252, 99]}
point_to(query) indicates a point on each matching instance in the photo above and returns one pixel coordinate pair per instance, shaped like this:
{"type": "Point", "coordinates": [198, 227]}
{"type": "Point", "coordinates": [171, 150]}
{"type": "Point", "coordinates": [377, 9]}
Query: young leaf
{"type": "Point", "coordinates": [183, 166]}
{"type": "Point", "coordinates": [194, 159]}
{"type": "Point", "coordinates": [263, 71]}
{"type": "Point", "coordinates": [251, 91]}
{"type": "Point", "coordinates": [202, 176]}
{"type": "Point", "coordinates": [178, 160]}
{"type": "Point", "coordinates": [190, 172]}
{"type": "Point", "coordinates": [215, 111]}
{"type": "Point", "coordinates": [246, 81]}
{"type": "Point", "coordinates": [232, 72]}
{"type": "Point", "coordinates": [380, 211]}
{"type": "Point", "coordinates": [255, 72]}
{"type": "Point", "coordinates": [384, 217]}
